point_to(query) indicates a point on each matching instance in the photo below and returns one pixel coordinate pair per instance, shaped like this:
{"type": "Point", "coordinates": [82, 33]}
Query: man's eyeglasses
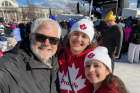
{"type": "Point", "coordinates": [42, 38]}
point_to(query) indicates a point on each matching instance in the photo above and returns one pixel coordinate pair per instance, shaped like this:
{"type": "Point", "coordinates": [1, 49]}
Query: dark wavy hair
{"type": "Point", "coordinates": [115, 81]}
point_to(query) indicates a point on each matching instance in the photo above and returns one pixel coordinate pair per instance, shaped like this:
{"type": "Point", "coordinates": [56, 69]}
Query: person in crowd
{"type": "Point", "coordinates": [98, 71]}
{"type": "Point", "coordinates": [134, 45]}
{"type": "Point", "coordinates": [112, 38]}
{"type": "Point", "coordinates": [71, 58]}
{"type": "Point", "coordinates": [28, 29]}
{"type": "Point", "coordinates": [64, 27]}
{"type": "Point", "coordinates": [22, 30]}
{"type": "Point", "coordinates": [32, 68]}
{"type": "Point", "coordinates": [16, 33]}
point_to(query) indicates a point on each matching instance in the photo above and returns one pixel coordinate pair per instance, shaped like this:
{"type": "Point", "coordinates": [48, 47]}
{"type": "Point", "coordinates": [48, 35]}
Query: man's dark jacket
{"type": "Point", "coordinates": [22, 72]}
{"type": "Point", "coordinates": [113, 38]}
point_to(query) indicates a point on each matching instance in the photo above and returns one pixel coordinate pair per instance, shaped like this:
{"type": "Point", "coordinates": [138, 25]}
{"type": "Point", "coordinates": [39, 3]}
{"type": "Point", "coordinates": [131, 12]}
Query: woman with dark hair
{"type": "Point", "coordinates": [98, 71]}
{"type": "Point", "coordinates": [71, 58]}
{"type": "Point", "coordinates": [134, 45]}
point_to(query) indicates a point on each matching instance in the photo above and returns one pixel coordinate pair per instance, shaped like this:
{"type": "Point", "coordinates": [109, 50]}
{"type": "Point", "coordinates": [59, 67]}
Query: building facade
{"type": "Point", "coordinates": [9, 9]}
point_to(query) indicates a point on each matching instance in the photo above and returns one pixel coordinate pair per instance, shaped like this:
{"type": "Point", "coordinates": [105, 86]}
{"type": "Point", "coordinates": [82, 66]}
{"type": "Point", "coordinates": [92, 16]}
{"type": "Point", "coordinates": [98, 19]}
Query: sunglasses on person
{"type": "Point", "coordinates": [42, 38]}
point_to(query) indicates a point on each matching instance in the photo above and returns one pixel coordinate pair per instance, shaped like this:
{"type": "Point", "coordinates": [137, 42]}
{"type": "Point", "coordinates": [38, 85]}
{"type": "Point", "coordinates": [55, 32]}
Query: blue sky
{"type": "Point", "coordinates": [24, 2]}
{"type": "Point", "coordinates": [48, 3]}
{"type": "Point", "coordinates": [62, 3]}
{"type": "Point", "coordinates": [133, 3]}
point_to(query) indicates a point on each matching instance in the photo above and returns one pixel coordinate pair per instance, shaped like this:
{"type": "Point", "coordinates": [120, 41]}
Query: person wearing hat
{"type": "Point", "coordinates": [112, 37]}
{"type": "Point", "coordinates": [98, 71]}
{"type": "Point", "coordinates": [71, 58]}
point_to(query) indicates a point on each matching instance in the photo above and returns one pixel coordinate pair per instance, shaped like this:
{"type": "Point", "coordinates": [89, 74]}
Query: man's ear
{"type": "Point", "coordinates": [32, 38]}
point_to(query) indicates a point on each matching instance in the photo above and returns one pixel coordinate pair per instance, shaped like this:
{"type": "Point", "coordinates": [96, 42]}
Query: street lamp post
{"type": "Point", "coordinates": [90, 8]}
{"type": "Point", "coordinates": [116, 7]}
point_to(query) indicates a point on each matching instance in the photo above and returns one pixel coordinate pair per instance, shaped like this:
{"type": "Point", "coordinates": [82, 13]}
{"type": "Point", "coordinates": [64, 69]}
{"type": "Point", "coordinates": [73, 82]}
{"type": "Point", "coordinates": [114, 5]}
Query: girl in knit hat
{"type": "Point", "coordinates": [98, 71]}
{"type": "Point", "coordinates": [71, 58]}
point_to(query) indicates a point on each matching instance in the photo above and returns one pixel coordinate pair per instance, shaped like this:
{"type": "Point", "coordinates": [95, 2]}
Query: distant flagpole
{"type": "Point", "coordinates": [90, 8]}
{"type": "Point", "coordinates": [116, 8]}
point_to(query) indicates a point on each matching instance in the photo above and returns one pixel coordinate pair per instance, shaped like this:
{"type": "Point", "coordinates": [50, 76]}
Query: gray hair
{"type": "Point", "coordinates": [38, 22]}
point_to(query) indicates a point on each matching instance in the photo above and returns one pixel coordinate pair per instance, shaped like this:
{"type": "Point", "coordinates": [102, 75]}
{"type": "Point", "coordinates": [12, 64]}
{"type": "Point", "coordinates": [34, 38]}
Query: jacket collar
{"type": "Point", "coordinates": [79, 55]}
{"type": "Point", "coordinates": [39, 65]}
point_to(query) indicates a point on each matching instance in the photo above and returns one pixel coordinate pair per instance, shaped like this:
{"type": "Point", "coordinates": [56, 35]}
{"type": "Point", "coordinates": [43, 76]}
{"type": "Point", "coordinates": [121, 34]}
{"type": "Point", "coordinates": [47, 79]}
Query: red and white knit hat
{"type": "Point", "coordinates": [84, 25]}
{"type": "Point", "coordinates": [100, 53]}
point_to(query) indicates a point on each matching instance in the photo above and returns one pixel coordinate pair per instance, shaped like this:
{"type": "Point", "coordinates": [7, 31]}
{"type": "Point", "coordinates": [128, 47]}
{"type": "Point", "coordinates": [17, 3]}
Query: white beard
{"type": "Point", "coordinates": [41, 57]}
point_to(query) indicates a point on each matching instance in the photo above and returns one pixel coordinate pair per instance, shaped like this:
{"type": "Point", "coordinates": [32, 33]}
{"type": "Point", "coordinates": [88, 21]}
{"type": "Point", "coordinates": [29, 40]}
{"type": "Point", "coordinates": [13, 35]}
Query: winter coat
{"type": "Point", "coordinates": [136, 35]}
{"type": "Point", "coordinates": [112, 38]}
{"type": "Point", "coordinates": [136, 38]}
{"type": "Point", "coordinates": [22, 72]}
{"type": "Point", "coordinates": [72, 74]}
{"type": "Point", "coordinates": [127, 34]}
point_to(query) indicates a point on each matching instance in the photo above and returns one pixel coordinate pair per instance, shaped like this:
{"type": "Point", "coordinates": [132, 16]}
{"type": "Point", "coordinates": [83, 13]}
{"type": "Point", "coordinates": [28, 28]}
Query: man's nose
{"type": "Point", "coordinates": [47, 42]}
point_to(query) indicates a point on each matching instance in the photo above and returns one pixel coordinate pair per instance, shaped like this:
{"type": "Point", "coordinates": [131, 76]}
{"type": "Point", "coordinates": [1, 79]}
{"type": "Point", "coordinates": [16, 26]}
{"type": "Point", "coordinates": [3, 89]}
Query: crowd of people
{"type": "Point", "coordinates": [122, 37]}
{"type": "Point", "coordinates": [44, 61]}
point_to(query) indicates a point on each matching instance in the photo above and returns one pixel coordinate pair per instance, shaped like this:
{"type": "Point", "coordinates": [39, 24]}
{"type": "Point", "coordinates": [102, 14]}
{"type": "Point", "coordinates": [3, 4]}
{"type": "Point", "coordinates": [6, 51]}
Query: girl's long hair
{"type": "Point", "coordinates": [115, 81]}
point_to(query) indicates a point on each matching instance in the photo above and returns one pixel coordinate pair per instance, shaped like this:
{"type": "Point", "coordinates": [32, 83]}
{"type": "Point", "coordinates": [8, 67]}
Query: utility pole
{"type": "Point", "coordinates": [116, 7]}
{"type": "Point", "coordinates": [90, 8]}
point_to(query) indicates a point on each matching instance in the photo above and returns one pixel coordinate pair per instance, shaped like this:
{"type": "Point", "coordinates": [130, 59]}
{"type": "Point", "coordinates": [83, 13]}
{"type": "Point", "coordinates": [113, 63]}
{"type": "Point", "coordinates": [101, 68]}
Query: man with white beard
{"type": "Point", "coordinates": [32, 67]}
